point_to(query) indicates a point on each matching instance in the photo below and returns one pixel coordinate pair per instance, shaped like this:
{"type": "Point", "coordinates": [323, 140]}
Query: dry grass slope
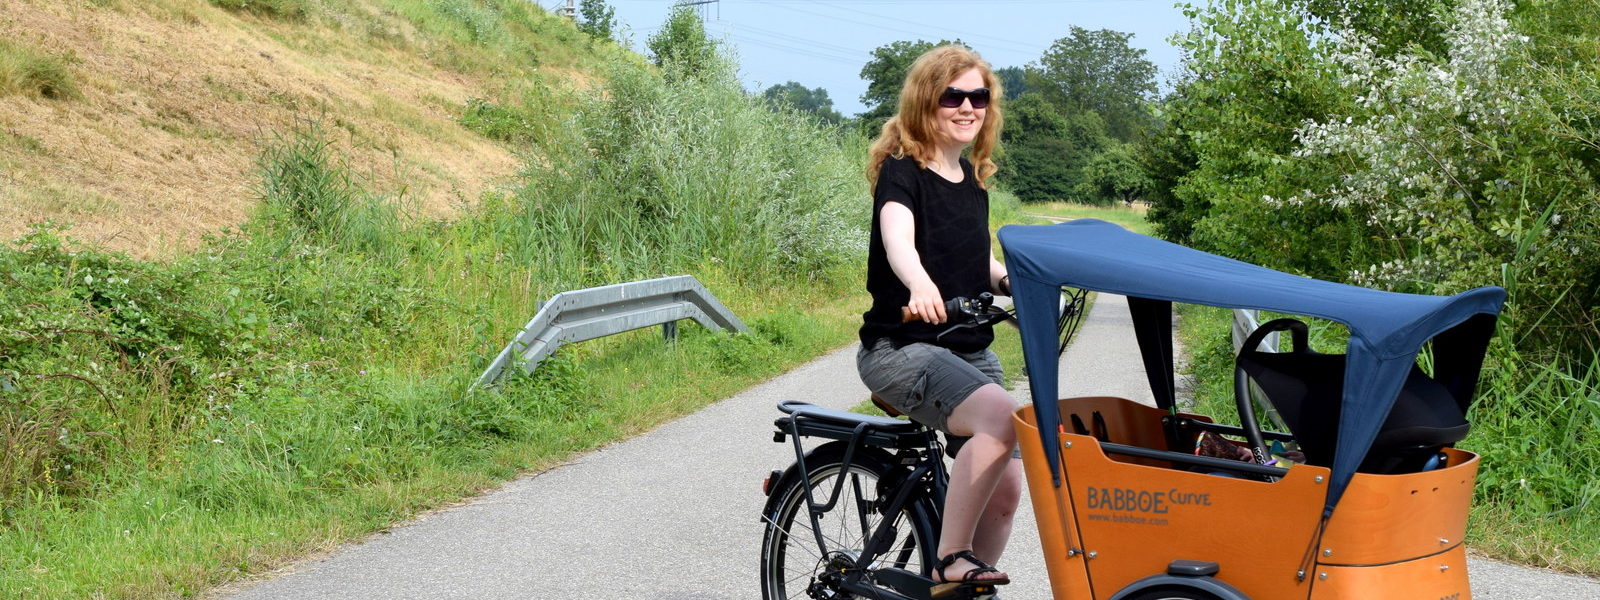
{"type": "Point", "coordinates": [175, 99]}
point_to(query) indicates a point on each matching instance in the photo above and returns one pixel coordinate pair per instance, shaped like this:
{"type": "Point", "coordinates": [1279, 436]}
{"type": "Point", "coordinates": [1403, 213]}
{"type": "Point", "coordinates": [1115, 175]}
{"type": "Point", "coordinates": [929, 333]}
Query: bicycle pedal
{"type": "Point", "coordinates": [962, 591]}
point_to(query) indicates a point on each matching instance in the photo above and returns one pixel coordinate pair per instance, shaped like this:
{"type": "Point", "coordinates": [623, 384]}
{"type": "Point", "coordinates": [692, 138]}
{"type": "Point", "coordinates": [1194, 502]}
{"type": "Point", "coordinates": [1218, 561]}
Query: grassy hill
{"type": "Point", "coordinates": [140, 122]}
{"type": "Point", "coordinates": [300, 228]}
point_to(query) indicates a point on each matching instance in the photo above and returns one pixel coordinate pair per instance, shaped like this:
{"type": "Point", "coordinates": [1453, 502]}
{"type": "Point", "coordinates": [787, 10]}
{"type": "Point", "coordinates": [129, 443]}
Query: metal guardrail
{"type": "Point", "coordinates": [586, 314]}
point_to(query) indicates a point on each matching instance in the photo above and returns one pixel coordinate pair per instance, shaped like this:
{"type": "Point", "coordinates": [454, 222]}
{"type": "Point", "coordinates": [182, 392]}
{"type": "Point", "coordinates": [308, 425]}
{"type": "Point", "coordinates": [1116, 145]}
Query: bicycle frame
{"type": "Point", "coordinates": [917, 479]}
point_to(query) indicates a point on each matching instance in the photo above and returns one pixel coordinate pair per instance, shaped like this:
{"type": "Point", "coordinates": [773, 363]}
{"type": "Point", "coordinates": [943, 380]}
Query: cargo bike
{"type": "Point", "coordinates": [1375, 508]}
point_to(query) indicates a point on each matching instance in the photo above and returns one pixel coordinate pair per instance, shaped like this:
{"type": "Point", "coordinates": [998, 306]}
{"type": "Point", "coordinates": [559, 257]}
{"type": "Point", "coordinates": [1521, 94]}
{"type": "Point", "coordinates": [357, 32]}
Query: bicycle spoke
{"type": "Point", "coordinates": [803, 575]}
{"type": "Point", "coordinates": [862, 508]}
{"type": "Point", "coordinates": [903, 558]}
{"type": "Point", "coordinates": [789, 537]}
{"type": "Point", "coordinates": [844, 526]}
{"type": "Point", "coordinates": [800, 526]}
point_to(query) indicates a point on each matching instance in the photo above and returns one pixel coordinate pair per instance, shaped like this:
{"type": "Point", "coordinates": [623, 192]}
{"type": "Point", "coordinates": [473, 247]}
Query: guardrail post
{"type": "Point", "coordinates": [579, 315]}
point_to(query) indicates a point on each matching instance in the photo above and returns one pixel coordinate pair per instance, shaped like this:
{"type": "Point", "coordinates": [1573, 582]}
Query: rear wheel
{"type": "Point", "coordinates": [1174, 592]}
{"type": "Point", "coordinates": [794, 567]}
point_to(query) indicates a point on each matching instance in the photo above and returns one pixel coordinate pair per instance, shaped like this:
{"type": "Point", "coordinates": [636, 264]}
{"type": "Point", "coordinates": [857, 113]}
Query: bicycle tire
{"type": "Point", "coordinates": [792, 566]}
{"type": "Point", "coordinates": [1174, 593]}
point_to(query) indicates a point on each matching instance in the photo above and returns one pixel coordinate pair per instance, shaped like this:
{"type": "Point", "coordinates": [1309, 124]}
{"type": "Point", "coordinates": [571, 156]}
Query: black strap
{"type": "Point", "coordinates": [1152, 326]}
{"type": "Point", "coordinates": [950, 559]}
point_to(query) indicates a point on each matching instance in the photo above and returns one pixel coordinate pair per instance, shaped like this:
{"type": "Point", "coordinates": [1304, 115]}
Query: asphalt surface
{"type": "Point", "coordinates": [673, 514]}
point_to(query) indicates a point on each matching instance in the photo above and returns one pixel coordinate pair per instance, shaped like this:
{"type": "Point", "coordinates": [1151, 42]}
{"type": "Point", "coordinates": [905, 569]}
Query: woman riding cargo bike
{"type": "Point", "coordinates": [1126, 510]}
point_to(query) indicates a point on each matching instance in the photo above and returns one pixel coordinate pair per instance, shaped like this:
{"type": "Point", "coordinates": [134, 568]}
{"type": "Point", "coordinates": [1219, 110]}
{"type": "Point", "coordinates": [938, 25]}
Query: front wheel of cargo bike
{"type": "Point", "coordinates": [1174, 593]}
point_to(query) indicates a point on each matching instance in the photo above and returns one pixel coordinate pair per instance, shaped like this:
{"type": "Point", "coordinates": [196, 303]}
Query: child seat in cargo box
{"type": "Point", "coordinates": [1306, 388]}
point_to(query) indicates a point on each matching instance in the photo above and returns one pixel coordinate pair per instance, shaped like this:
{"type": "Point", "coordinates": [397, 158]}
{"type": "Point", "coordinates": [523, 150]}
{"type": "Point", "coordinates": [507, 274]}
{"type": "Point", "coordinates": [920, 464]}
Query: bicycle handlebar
{"type": "Point", "coordinates": [962, 312]}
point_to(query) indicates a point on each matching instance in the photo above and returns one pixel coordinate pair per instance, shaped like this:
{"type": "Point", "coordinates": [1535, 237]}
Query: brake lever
{"type": "Point", "coordinates": [989, 316]}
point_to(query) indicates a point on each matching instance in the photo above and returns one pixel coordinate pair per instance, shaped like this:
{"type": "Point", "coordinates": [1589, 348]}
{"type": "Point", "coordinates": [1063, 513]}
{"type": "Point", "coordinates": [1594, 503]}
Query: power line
{"type": "Point", "coordinates": [884, 24]}
{"type": "Point", "coordinates": [794, 50]}
{"type": "Point", "coordinates": [846, 50]}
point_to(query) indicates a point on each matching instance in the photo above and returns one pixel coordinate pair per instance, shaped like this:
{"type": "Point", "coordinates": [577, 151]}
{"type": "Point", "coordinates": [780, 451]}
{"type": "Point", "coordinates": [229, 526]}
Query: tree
{"type": "Point", "coordinates": [885, 75]}
{"type": "Point", "coordinates": [1031, 116]}
{"type": "Point", "coordinates": [1014, 80]}
{"type": "Point", "coordinates": [1394, 24]}
{"type": "Point", "coordinates": [1046, 149]}
{"type": "Point", "coordinates": [599, 19]}
{"type": "Point", "coordinates": [681, 45]}
{"type": "Point", "coordinates": [1166, 156]}
{"type": "Point", "coordinates": [1098, 71]}
{"type": "Point", "coordinates": [1113, 175]}
{"type": "Point", "coordinates": [814, 101]}
{"type": "Point", "coordinates": [1252, 72]}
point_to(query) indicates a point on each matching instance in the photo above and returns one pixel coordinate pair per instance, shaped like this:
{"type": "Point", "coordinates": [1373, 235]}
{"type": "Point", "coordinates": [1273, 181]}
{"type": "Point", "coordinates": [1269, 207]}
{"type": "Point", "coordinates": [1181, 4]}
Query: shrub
{"type": "Point", "coordinates": [1407, 169]}
{"type": "Point", "coordinates": [682, 48]}
{"type": "Point", "coordinates": [103, 357]}
{"type": "Point", "coordinates": [656, 174]}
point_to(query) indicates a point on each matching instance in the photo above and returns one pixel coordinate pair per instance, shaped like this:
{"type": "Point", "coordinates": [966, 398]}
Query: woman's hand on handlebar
{"type": "Point", "coordinates": [926, 305]}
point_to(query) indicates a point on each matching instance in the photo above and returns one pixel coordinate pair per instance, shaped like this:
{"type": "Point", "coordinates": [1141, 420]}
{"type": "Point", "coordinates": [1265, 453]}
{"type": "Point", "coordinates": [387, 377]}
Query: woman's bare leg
{"type": "Point", "coordinates": [979, 467]}
{"type": "Point", "coordinates": [994, 525]}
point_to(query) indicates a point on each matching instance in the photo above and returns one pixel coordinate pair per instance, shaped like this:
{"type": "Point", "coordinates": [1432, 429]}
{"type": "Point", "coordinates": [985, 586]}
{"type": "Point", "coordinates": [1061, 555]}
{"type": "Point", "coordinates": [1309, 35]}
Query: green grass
{"type": "Point", "coordinates": [281, 9]}
{"type": "Point", "coordinates": [29, 71]}
{"type": "Point", "coordinates": [502, 41]}
{"type": "Point", "coordinates": [1133, 218]}
{"type": "Point", "coordinates": [1537, 428]}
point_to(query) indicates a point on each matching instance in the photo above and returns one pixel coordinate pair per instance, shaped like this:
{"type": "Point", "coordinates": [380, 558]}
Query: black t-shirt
{"type": "Point", "coordinates": [951, 223]}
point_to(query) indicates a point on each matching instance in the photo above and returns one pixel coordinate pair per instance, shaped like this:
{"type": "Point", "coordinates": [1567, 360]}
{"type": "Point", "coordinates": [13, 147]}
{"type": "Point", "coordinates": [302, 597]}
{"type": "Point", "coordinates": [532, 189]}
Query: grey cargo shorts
{"type": "Point", "coordinates": [927, 382]}
{"type": "Point", "coordinates": [923, 381]}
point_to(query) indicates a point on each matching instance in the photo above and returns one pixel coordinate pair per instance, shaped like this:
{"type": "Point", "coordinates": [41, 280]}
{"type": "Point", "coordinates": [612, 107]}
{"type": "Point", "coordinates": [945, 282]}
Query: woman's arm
{"type": "Point", "coordinates": [999, 281]}
{"type": "Point", "coordinates": [898, 226]}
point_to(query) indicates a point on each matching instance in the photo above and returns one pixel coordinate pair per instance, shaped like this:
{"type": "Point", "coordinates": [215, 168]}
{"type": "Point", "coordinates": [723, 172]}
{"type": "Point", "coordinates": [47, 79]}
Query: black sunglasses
{"type": "Point", "coordinates": [952, 97]}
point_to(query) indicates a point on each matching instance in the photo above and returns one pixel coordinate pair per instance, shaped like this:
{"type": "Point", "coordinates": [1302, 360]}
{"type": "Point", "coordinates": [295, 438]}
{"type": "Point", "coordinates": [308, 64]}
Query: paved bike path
{"type": "Point", "coordinates": [673, 514]}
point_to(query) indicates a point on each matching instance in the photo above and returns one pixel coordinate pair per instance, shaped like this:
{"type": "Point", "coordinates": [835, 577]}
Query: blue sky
{"type": "Point", "coordinates": [824, 43]}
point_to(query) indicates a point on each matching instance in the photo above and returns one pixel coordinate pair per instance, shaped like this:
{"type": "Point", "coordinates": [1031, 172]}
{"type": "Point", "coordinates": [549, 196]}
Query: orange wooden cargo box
{"type": "Point", "coordinates": [1126, 509]}
{"type": "Point", "coordinates": [1117, 520]}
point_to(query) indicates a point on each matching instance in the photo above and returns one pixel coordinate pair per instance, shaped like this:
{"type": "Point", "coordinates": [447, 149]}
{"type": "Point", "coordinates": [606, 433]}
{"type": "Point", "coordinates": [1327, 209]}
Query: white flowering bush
{"type": "Point", "coordinates": [1404, 168]}
{"type": "Point", "coordinates": [1424, 155]}
{"type": "Point", "coordinates": [1420, 153]}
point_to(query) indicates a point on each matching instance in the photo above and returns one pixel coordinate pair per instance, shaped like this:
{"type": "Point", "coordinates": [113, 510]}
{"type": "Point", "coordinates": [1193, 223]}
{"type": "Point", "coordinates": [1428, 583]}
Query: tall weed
{"type": "Point", "coordinates": [657, 174]}
{"type": "Point", "coordinates": [28, 71]}
{"type": "Point", "coordinates": [1538, 427]}
{"type": "Point", "coordinates": [311, 198]}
